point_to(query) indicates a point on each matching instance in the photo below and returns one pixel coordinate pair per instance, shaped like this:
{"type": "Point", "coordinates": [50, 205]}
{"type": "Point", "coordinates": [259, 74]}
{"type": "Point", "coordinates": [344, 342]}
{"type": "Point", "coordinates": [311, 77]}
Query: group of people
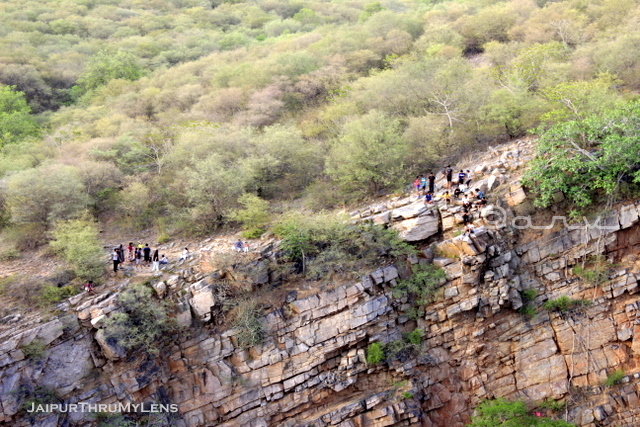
{"type": "Point", "coordinates": [473, 200]}
{"type": "Point", "coordinates": [140, 255]}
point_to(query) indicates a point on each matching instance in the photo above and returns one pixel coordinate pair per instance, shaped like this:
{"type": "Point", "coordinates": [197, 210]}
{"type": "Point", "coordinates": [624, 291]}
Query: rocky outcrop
{"type": "Point", "coordinates": [484, 335]}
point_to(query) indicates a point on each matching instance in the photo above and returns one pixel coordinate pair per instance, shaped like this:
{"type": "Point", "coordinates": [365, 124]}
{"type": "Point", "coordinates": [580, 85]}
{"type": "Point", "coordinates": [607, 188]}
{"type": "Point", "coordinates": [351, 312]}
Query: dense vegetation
{"type": "Point", "coordinates": [167, 114]}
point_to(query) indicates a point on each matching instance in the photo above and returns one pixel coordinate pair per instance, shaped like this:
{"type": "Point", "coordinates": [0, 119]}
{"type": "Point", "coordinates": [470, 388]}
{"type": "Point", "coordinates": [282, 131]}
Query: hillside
{"type": "Point", "coordinates": [302, 353]}
{"type": "Point", "coordinates": [299, 126]}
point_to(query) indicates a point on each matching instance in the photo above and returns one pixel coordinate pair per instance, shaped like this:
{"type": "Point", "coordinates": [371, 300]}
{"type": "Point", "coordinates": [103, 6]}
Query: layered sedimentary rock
{"type": "Point", "coordinates": [311, 369]}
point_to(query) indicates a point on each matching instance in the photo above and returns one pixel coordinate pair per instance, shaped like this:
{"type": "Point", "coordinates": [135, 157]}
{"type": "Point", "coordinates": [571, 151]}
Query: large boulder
{"type": "Point", "coordinates": [110, 348]}
{"type": "Point", "coordinates": [420, 228]}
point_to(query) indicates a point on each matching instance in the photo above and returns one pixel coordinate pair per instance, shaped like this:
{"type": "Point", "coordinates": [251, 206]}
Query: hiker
{"type": "Point", "coordinates": [237, 246]}
{"type": "Point", "coordinates": [428, 198]}
{"type": "Point", "coordinates": [156, 261]}
{"type": "Point", "coordinates": [185, 254]}
{"type": "Point", "coordinates": [461, 177]}
{"type": "Point", "coordinates": [146, 251]}
{"type": "Point", "coordinates": [468, 178]}
{"type": "Point", "coordinates": [245, 248]}
{"type": "Point", "coordinates": [131, 257]}
{"type": "Point", "coordinates": [448, 173]}
{"type": "Point", "coordinates": [121, 255]}
{"type": "Point", "coordinates": [416, 185]}
{"type": "Point", "coordinates": [466, 203]}
{"type": "Point", "coordinates": [115, 257]}
{"type": "Point", "coordinates": [456, 193]}
{"type": "Point", "coordinates": [164, 260]}
{"type": "Point", "coordinates": [447, 198]}
{"type": "Point", "coordinates": [88, 287]}
{"type": "Point", "coordinates": [466, 218]}
{"type": "Point", "coordinates": [138, 256]}
{"type": "Point", "coordinates": [423, 182]}
{"type": "Point", "coordinates": [480, 194]}
{"type": "Point", "coordinates": [432, 182]}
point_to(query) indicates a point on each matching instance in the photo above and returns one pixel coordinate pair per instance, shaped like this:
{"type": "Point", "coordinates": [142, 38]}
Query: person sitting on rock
{"type": "Point", "coordinates": [480, 194]}
{"type": "Point", "coordinates": [88, 287]}
{"type": "Point", "coordinates": [457, 192]}
{"type": "Point", "coordinates": [185, 254]}
{"type": "Point", "coordinates": [237, 246]}
{"type": "Point", "coordinates": [447, 198]}
{"type": "Point", "coordinates": [164, 260]}
{"type": "Point", "coordinates": [428, 198]}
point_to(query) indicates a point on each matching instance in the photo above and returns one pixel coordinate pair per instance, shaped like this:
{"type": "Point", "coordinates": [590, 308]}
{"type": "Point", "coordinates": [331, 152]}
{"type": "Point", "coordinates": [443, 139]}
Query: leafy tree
{"type": "Point", "coordinates": [254, 215]}
{"type": "Point", "coordinates": [16, 122]}
{"type": "Point", "coordinates": [77, 241]}
{"type": "Point", "coordinates": [587, 158]}
{"type": "Point", "coordinates": [502, 413]}
{"type": "Point", "coordinates": [369, 155]}
{"type": "Point", "coordinates": [582, 98]}
{"type": "Point", "coordinates": [107, 65]}
{"type": "Point", "coordinates": [370, 9]}
{"type": "Point", "coordinates": [45, 194]}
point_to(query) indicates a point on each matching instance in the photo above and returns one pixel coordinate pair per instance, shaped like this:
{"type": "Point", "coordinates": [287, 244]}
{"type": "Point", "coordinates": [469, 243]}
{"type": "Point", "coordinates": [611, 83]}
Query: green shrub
{"type": "Point", "coordinates": [77, 242]}
{"type": "Point", "coordinates": [323, 244]}
{"type": "Point", "coordinates": [554, 405]}
{"type": "Point", "coordinates": [502, 413]}
{"type": "Point", "coordinates": [53, 294]}
{"type": "Point", "coordinates": [407, 395]}
{"type": "Point", "coordinates": [34, 350]}
{"type": "Point", "coordinates": [564, 303]}
{"type": "Point", "coordinates": [596, 272]}
{"type": "Point", "coordinates": [422, 285]}
{"type": "Point", "coordinates": [248, 320]}
{"type": "Point", "coordinates": [375, 354]}
{"type": "Point", "coordinates": [527, 311]}
{"type": "Point", "coordinates": [8, 254]}
{"type": "Point", "coordinates": [254, 216]}
{"type": "Point", "coordinates": [414, 337]}
{"type": "Point", "coordinates": [528, 295]}
{"type": "Point", "coordinates": [141, 320]}
{"type": "Point", "coordinates": [614, 378]}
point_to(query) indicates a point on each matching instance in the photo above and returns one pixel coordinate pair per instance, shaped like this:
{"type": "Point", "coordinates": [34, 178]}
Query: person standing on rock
{"type": "Point", "coordinates": [461, 177]}
{"type": "Point", "coordinates": [156, 261]}
{"type": "Point", "coordinates": [448, 173]}
{"type": "Point", "coordinates": [432, 182]}
{"type": "Point", "coordinates": [131, 257]}
{"type": "Point", "coordinates": [115, 257]}
{"type": "Point", "coordinates": [138, 258]}
{"type": "Point", "coordinates": [147, 254]}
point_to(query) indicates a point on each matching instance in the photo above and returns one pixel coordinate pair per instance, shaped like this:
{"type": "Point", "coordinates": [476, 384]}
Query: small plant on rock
{"type": "Point", "coordinates": [564, 303]}
{"type": "Point", "coordinates": [614, 378]}
{"type": "Point", "coordinates": [375, 354]}
{"type": "Point", "coordinates": [503, 413]}
{"type": "Point", "coordinates": [34, 351]}
{"type": "Point", "coordinates": [248, 319]}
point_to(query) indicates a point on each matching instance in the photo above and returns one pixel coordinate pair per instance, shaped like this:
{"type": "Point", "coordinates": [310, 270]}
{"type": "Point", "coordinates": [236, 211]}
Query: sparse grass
{"type": "Point", "coordinates": [53, 294]}
{"type": "Point", "coordinates": [614, 378]}
{"type": "Point", "coordinates": [564, 303]}
{"type": "Point", "coordinates": [595, 271]}
{"type": "Point", "coordinates": [407, 395]}
{"type": "Point", "coordinates": [553, 405]}
{"type": "Point", "coordinates": [248, 320]}
{"type": "Point", "coordinates": [34, 351]}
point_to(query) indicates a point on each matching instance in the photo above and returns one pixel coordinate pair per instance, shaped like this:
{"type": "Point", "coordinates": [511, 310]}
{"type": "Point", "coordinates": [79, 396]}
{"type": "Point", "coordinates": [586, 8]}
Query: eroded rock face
{"type": "Point", "coordinates": [311, 369]}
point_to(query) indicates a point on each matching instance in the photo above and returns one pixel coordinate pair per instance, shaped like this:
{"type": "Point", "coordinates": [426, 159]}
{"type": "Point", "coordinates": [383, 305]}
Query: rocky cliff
{"type": "Point", "coordinates": [311, 370]}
